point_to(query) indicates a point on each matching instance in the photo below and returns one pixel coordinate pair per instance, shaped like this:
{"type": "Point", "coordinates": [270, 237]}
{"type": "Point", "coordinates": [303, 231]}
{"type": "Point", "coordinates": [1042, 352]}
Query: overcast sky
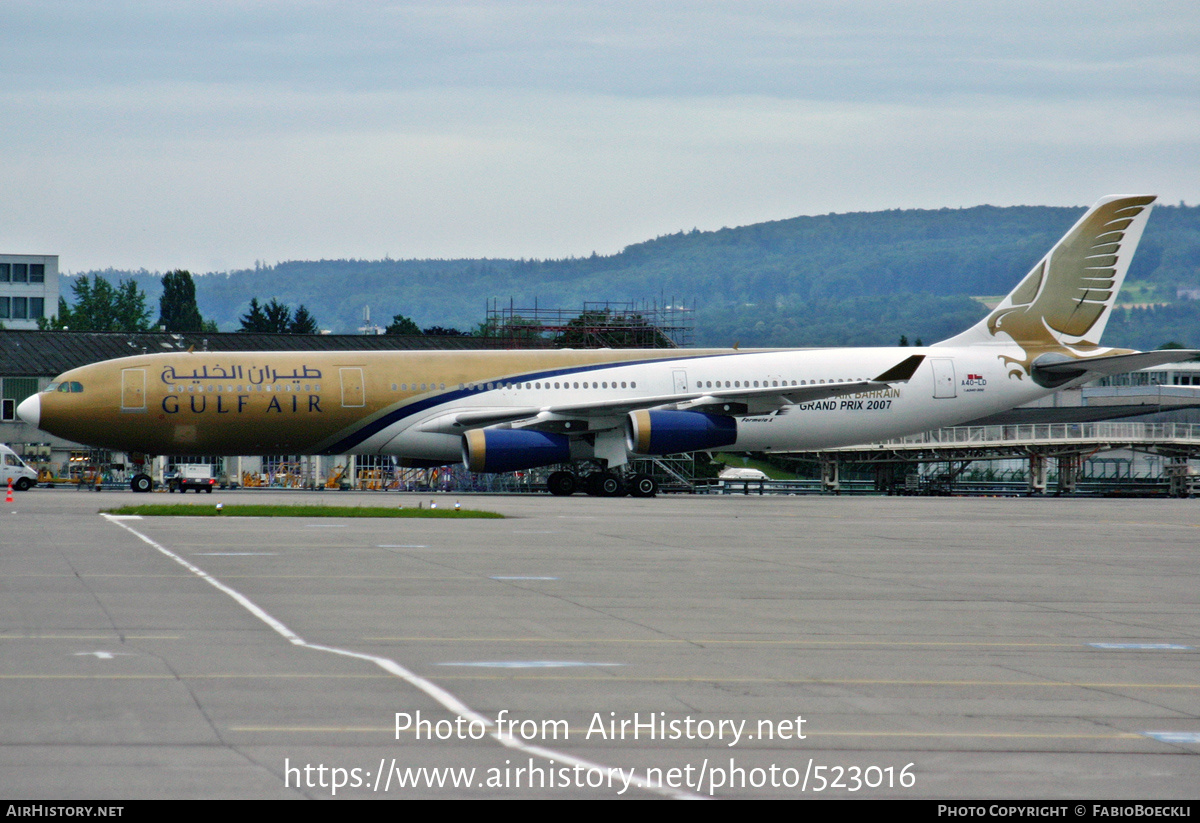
{"type": "Point", "coordinates": [209, 135]}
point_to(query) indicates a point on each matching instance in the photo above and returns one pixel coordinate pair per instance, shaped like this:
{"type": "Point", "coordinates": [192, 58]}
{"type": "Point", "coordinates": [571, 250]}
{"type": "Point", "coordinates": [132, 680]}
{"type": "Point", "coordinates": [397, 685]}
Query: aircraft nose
{"type": "Point", "coordinates": [30, 410]}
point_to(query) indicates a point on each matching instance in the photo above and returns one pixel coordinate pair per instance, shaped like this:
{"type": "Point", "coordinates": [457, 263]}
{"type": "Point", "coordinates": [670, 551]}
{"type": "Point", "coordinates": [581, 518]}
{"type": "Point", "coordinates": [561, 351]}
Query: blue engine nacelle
{"type": "Point", "coordinates": [670, 432]}
{"type": "Point", "coordinates": [510, 450]}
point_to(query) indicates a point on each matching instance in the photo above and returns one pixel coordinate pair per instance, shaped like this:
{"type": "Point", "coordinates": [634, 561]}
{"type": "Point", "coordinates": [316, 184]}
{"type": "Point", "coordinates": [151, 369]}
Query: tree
{"type": "Point", "coordinates": [402, 325]}
{"type": "Point", "coordinates": [303, 322]}
{"type": "Point", "coordinates": [254, 320]}
{"type": "Point", "coordinates": [178, 311]}
{"type": "Point", "coordinates": [129, 307]}
{"type": "Point", "coordinates": [93, 309]}
{"type": "Point", "coordinates": [60, 321]}
{"type": "Point", "coordinates": [279, 316]}
{"type": "Point", "coordinates": [100, 307]}
{"type": "Point", "coordinates": [276, 318]}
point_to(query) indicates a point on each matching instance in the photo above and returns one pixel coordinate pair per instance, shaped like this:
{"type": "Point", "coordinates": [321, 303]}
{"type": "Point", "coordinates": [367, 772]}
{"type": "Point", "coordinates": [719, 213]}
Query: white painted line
{"type": "Point", "coordinates": [516, 577]}
{"type": "Point", "coordinates": [448, 700]}
{"type": "Point", "coordinates": [1174, 737]}
{"type": "Point", "coordinates": [1143, 646]}
{"type": "Point", "coordinates": [413, 546]}
{"type": "Point", "coordinates": [324, 526]}
{"type": "Point", "coordinates": [245, 602]}
{"type": "Point", "coordinates": [235, 554]}
{"type": "Point", "coordinates": [101, 655]}
{"type": "Point", "coordinates": [530, 664]}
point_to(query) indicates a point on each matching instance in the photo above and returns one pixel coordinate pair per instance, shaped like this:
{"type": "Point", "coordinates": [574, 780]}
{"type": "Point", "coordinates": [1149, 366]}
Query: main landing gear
{"type": "Point", "coordinates": [602, 484]}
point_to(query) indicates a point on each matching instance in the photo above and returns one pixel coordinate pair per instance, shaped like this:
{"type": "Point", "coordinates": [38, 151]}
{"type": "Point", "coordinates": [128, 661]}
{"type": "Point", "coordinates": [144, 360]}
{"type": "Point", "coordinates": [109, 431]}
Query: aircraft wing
{"type": "Point", "coordinates": [740, 401]}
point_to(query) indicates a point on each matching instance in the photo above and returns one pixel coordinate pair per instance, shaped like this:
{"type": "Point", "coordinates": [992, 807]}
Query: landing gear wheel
{"type": "Point", "coordinates": [141, 483]}
{"type": "Point", "coordinates": [562, 484]}
{"type": "Point", "coordinates": [642, 485]}
{"type": "Point", "coordinates": [604, 484]}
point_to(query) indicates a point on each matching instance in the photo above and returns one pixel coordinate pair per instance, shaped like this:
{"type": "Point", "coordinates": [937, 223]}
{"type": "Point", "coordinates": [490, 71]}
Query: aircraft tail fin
{"type": "Point", "coordinates": [1066, 300]}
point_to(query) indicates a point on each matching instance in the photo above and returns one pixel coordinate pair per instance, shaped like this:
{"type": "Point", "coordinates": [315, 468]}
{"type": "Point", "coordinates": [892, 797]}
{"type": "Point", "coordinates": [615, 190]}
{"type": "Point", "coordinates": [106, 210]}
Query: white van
{"type": "Point", "coordinates": [13, 468]}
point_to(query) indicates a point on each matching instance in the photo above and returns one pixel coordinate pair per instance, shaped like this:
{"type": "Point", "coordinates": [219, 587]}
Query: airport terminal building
{"type": "Point", "coordinates": [28, 289]}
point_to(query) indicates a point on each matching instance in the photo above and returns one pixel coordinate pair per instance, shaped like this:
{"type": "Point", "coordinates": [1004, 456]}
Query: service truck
{"type": "Point", "coordinates": [198, 476]}
{"type": "Point", "coordinates": [14, 470]}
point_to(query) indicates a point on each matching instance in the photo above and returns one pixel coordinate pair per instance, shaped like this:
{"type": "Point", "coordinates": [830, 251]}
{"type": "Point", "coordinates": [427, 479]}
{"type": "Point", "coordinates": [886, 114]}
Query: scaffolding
{"type": "Point", "coordinates": [599, 325]}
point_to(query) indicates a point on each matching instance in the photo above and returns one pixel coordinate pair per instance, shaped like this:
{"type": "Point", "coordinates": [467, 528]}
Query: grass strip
{"type": "Point", "coordinates": [263, 510]}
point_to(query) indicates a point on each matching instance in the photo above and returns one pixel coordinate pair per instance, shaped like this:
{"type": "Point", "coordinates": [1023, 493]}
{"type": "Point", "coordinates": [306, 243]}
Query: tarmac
{"type": "Point", "coordinates": [682, 646]}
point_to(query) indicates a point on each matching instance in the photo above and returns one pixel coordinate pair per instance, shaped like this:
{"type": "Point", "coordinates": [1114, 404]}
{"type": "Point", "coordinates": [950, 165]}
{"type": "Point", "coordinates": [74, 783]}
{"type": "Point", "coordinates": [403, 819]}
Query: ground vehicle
{"type": "Point", "coordinates": [13, 468]}
{"type": "Point", "coordinates": [198, 476]}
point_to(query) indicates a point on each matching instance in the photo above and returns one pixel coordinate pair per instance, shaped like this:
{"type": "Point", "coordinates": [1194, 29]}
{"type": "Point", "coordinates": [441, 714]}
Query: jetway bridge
{"type": "Point", "coordinates": [1065, 445]}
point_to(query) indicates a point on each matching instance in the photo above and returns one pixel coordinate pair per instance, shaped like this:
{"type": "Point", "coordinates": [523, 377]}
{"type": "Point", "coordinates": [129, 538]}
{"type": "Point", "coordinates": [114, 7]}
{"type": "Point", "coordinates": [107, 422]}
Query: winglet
{"type": "Point", "coordinates": [902, 371]}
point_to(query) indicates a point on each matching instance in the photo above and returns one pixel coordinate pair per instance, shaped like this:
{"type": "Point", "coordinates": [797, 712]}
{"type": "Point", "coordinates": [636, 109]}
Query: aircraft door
{"type": "Point", "coordinates": [943, 377]}
{"type": "Point", "coordinates": [353, 393]}
{"type": "Point", "coordinates": [681, 384]}
{"type": "Point", "coordinates": [133, 390]}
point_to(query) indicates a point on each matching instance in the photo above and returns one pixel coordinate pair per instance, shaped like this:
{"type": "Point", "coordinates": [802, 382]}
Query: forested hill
{"type": "Point", "coordinates": [838, 279]}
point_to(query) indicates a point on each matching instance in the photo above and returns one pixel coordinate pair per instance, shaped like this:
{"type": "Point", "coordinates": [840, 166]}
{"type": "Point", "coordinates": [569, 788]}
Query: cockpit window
{"type": "Point", "coordinates": [51, 387]}
{"type": "Point", "coordinates": [76, 386]}
{"type": "Point", "coordinates": [73, 386]}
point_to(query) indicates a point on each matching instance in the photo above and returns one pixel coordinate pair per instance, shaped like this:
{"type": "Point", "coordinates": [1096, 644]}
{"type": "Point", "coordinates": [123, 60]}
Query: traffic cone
{"type": "Point", "coordinates": [9, 498]}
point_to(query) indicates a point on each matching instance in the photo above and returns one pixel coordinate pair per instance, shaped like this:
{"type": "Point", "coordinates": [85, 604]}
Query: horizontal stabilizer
{"type": "Point", "coordinates": [1056, 369]}
{"type": "Point", "coordinates": [1118, 363]}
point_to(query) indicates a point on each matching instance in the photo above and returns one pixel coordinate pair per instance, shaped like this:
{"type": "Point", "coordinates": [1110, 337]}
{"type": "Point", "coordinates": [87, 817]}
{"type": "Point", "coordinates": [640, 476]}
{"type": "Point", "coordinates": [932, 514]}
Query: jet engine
{"type": "Point", "coordinates": [670, 432]}
{"type": "Point", "coordinates": [508, 450]}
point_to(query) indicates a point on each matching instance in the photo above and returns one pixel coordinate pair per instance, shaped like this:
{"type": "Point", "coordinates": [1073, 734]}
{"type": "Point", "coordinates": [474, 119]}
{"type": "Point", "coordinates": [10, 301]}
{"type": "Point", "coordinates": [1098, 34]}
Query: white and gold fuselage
{"type": "Point", "coordinates": [418, 405]}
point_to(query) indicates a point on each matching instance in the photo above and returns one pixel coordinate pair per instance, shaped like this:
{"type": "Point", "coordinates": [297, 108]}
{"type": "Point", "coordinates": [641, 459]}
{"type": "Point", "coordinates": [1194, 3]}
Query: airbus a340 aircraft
{"type": "Point", "coordinates": [500, 411]}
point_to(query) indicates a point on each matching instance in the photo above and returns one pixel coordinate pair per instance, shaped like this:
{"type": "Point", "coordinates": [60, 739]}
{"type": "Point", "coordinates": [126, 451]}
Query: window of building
{"type": "Point", "coordinates": [37, 272]}
{"type": "Point", "coordinates": [20, 307]}
{"type": "Point", "coordinates": [5, 308]}
{"type": "Point", "coordinates": [20, 272]}
{"type": "Point", "coordinates": [5, 272]}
